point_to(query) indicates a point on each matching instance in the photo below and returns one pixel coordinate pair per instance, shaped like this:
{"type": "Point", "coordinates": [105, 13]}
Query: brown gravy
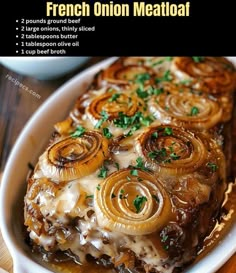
{"type": "Point", "coordinates": [221, 228]}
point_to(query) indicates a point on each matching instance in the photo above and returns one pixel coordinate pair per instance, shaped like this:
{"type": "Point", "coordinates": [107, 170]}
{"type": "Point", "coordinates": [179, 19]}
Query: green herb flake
{"type": "Point", "coordinates": [140, 164]}
{"type": "Point", "coordinates": [167, 108]}
{"type": "Point", "coordinates": [174, 156]}
{"type": "Point", "coordinates": [142, 93]}
{"type": "Point", "coordinates": [165, 78]}
{"type": "Point", "coordinates": [157, 153]}
{"type": "Point", "coordinates": [168, 131]}
{"type": "Point", "coordinates": [154, 135]}
{"type": "Point", "coordinates": [198, 59]}
{"type": "Point", "coordinates": [90, 196]}
{"type": "Point", "coordinates": [186, 82]}
{"type": "Point", "coordinates": [103, 172]}
{"type": "Point", "coordinates": [117, 166]}
{"type": "Point", "coordinates": [134, 172]}
{"type": "Point", "coordinates": [168, 59]}
{"type": "Point", "coordinates": [138, 202]}
{"type": "Point", "coordinates": [164, 238]}
{"type": "Point", "coordinates": [107, 133]}
{"type": "Point", "coordinates": [121, 195]}
{"type": "Point", "coordinates": [212, 166]}
{"type": "Point", "coordinates": [79, 131]}
{"type": "Point", "coordinates": [158, 62]}
{"type": "Point", "coordinates": [114, 97]}
{"type": "Point", "coordinates": [158, 91]}
{"type": "Point", "coordinates": [103, 119]}
{"type": "Point", "coordinates": [166, 247]}
{"type": "Point", "coordinates": [194, 111]}
{"type": "Point", "coordinates": [98, 187]}
{"type": "Point", "coordinates": [146, 121]}
{"type": "Point", "coordinates": [141, 78]}
{"type": "Point", "coordinates": [128, 178]}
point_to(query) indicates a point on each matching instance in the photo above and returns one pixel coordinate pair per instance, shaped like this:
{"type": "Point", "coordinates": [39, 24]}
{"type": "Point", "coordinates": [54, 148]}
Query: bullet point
{"type": "Point", "coordinates": [16, 43]}
{"type": "Point", "coordinates": [17, 28]}
{"type": "Point", "coordinates": [17, 21]}
{"type": "Point", "coordinates": [16, 36]}
{"type": "Point", "coordinates": [17, 51]}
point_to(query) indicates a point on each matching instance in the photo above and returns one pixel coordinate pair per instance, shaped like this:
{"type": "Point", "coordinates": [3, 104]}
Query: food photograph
{"type": "Point", "coordinates": [118, 164]}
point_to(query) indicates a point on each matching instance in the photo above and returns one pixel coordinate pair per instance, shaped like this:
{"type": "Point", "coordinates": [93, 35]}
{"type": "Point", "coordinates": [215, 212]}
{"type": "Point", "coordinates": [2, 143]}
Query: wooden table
{"type": "Point", "coordinates": [16, 107]}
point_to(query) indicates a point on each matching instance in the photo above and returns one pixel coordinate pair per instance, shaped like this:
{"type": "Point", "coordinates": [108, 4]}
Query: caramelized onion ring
{"type": "Point", "coordinates": [177, 109]}
{"type": "Point", "coordinates": [121, 74]}
{"type": "Point", "coordinates": [114, 203]}
{"type": "Point", "coordinates": [72, 158]}
{"type": "Point", "coordinates": [171, 150]}
{"type": "Point", "coordinates": [214, 74]}
{"type": "Point", "coordinates": [128, 105]}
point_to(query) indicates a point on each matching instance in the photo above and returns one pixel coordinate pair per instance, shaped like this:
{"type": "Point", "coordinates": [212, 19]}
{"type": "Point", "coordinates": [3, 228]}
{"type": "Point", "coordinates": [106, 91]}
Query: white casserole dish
{"type": "Point", "coordinates": [28, 147]}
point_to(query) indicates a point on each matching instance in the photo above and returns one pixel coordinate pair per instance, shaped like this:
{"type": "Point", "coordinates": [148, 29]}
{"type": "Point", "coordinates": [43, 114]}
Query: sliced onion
{"type": "Point", "coordinates": [180, 152]}
{"type": "Point", "coordinates": [120, 74]}
{"type": "Point", "coordinates": [213, 75]}
{"type": "Point", "coordinates": [126, 104]}
{"type": "Point", "coordinates": [114, 203]}
{"type": "Point", "coordinates": [176, 108]}
{"type": "Point", "coordinates": [72, 158]}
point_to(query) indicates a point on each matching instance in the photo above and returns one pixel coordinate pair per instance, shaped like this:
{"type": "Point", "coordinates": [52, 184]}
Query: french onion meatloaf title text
{"type": "Point", "coordinates": [118, 9]}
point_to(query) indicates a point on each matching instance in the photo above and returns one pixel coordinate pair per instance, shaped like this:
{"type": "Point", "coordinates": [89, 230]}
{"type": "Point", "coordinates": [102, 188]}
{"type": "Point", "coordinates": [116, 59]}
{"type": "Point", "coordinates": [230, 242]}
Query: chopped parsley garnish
{"type": "Point", "coordinates": [164, 238]}
{"type": "Point", "coordinates": [212, 166]}
{"type": "Point", "coordinates": [174, 156]}
{"type": "Point", "coordinates": [171, 148]}
{"type": "Point", "coordinates": [168, 131]}
{"type": "Point", "coordinates": [158, 62]}
{"type": "Point", "coordinates": [121, 195]}
{"type": "Point", "coordinates": [135, 121]}
{"type": "Point", "coordinates": [198, 59]}
{"type": "Point", "coordinates": [157, 91]}
{"type": "Point", "coordinates": [103, 172]}
{"type": "Point", "coordinates": [107, 133]}
{"type": "Point", "coordinates": [146, 120]}
{"type": "Point", "coordinates": [134, 172]}
{"type": "Point", "coordinates": [154, 135]}
{"type": "Point", "coordinates": [98, 187]}
{"type": "Point", "coordinates": [157, 153]}
{"type": "Point", "coordinates": [117, 166]}
{"type": "Point", "coordinates": [185, 82]}
{"type": "Point", "coordinates": [128, 178]}
{"type": "Point", "coordinates": [168, 59]}
{"type": "Point", "coordinates": [194, 111]}
{"type": "Point", "coordinates": [166, 77]}
{"type": "Point", "coordinates": [140, 164]}
{"type": "Point", "coordinates": [89, 196]}
{"type": "Point", "coordinates": [114, 97]}
{"type": "Point", "coordinates": [103, 119]}
{"type": "Point", "coordinates": [142, 93]}
{"type": "Point", "coordinates": [79, 131]}
{"type": "Point", "coordinates": [141, 78]}
{"type": "Point", "coordinates": [138, 202]}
